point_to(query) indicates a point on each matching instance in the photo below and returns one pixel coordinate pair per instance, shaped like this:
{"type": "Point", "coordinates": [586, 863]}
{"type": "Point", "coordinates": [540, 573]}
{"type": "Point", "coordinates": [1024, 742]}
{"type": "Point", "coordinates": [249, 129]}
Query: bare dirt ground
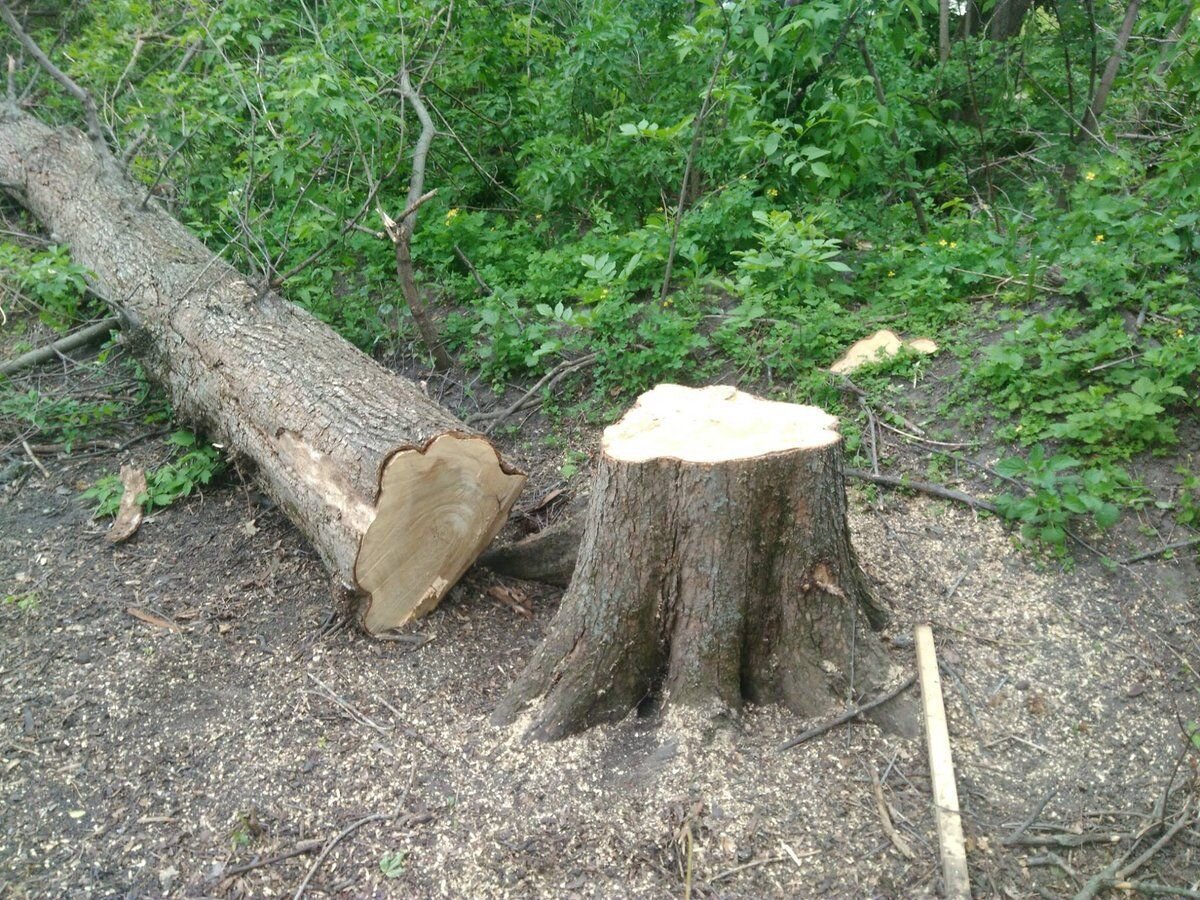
{"type": "Point", "coordinates": [213, 747]}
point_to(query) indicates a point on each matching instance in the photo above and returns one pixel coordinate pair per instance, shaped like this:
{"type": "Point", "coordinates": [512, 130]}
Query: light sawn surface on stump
{"type": "Point", "coordinates": [323, 422]}
{"type": "Point", "coordinates": [715, 567]}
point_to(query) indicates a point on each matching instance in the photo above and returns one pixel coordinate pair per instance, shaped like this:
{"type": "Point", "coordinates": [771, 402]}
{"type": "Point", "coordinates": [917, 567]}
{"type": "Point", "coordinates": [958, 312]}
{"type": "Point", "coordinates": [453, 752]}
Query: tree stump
{"type": "Point", "coordinates": [715, 567]}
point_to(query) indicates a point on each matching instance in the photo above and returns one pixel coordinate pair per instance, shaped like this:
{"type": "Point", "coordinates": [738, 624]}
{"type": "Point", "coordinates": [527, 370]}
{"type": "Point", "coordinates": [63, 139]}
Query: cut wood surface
{"type": "Point", "coordinates": [941, 770]}
{"type": "Point", "coordinates": [396, 494]}
{"type": "Point", "coordinates": [715, 567]}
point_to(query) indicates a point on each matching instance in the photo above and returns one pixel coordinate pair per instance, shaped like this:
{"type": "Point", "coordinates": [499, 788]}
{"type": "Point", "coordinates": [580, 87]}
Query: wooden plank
{"type": "Point", "coordinates": [941, 770]}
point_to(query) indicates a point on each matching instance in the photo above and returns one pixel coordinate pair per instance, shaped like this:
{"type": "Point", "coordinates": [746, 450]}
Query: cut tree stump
{"type": "Point", "coordinates": [715, 567]}
{"type": "Point", "coordinates": [397, 495]}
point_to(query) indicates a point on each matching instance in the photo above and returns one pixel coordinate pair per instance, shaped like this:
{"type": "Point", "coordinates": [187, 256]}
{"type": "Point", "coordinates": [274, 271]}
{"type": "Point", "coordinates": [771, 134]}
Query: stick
{"type": "Point", "coordinates": [941, 770]}
{"type": "Point", "coordinates": [924, 487]}
{"type": "Point", "coordinates": [345, 832]}
{"type": "Point", "coordinates": [551, 378]}
{"type": "Point", "coordinates": [885, 817]}
{"type": "Point", "coordinates": [1166, 548]}
{"type": "Point", "coordinates": [91, 116]}
{"type": "Point", "coordinates": [1028, 823]}
{"type": "Point", "coordinates": [32, 458]}
{"type": "Point", "coordinates": [299, 850]}
{"type": "Point", "coordinates": [853, 713]}
{"type": "Point", "coordinates": [75, 340]}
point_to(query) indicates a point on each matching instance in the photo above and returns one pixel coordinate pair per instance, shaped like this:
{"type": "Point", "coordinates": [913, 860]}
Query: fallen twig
{"type": "Point", "coordinates": [81, 338]}
{"type": "Point", "coordinates": [853, 713]}
{"type": "Point", "coordinates": [345, 832]}
{"type": "Point", "coordinates": [414, 819]}
{"type": "Point", "coordinates": [299, 850]}
{"type": "Point", "coordinates": [549, 380]}
{"type": "Point", "coordinates": [1166, 548]}
{"type": "Point", "coordinates": [885, 818]}
{"type": "Point", "coordinates": [33, 459]}
{"type": "Point", "coordinates": [1028, 823]}
{"type": "Point", "coordinates": [924, 487]}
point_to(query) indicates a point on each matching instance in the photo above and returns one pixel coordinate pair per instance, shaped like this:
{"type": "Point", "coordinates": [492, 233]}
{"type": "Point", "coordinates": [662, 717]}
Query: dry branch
{"type": "Point", "coordinates": [81, 338]}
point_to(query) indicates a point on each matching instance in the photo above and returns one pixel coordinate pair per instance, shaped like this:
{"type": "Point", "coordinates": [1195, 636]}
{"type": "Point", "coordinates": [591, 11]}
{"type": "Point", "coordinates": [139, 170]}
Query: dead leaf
{"type": "Point", "coordinates": [514, 598]}
{"type": "Point", "coordinates": [151, 619]}
{"type": "Point", "coordinates": [248, 528]}
{"type": "Point", "coordinates": [129, 516]}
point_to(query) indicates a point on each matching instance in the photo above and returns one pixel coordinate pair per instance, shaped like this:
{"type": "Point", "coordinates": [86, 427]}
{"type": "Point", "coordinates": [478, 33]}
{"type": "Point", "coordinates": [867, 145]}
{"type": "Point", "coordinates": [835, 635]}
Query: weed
{"type": "Point", "coordinates": [26, 601]}
{"type": "Point", "coordinates": [195, 465]}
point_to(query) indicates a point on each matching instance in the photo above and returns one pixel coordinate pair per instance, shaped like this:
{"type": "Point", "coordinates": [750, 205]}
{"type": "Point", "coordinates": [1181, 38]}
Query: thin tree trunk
{"type": "Point", "coordinates": [1091, 119]}
{"type": "Point", "coordinates": [943, 30]}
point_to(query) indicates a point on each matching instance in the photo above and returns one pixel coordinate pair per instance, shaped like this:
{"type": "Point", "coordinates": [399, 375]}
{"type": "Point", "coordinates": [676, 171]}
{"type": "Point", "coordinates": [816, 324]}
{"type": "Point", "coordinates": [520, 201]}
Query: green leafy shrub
{"type": "Point", "coordinates": [194, 466]}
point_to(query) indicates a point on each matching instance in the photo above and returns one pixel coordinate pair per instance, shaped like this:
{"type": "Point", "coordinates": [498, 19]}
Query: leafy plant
{"type": "Point", "coordinates": [48, 279]}
{"type": "Point", "coordinates": [392, 864]}
{"type": "Point", "coordinates": [1054, 493]}
{"type": "Point", "coordinates": [26, 601]}
{"type": "Point", "coordinates": [62, 420]}
{"type": "Point", "coordinates": [195, 465]}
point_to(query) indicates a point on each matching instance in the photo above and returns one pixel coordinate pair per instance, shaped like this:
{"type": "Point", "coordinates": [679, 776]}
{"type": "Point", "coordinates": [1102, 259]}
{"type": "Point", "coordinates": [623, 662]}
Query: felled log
{"type": "Point", "coordinates": [715, 567]}
{"type": "Point", "coordinates": [395, 493]}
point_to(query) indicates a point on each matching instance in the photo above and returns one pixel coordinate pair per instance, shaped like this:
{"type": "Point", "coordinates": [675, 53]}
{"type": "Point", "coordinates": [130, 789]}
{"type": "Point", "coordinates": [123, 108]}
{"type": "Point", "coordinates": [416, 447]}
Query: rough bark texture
{"type": "Point", "coordinates": [707, 582]}
{"type": "Point", "coordinates": [547, 556]}
{"type": "Point", "coordinates": [324, 423]}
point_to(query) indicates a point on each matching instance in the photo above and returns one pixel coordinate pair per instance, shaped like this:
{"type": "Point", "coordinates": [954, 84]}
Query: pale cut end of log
{"type": "Point", "coordinates": [717, 424]}
{"type": "Point", "coordinates": [437, 509]}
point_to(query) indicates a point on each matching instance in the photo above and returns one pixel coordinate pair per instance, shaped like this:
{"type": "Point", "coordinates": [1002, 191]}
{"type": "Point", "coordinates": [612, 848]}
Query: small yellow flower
{"type": "Point", "coordinates": [772, 193]}
{"type": "Point", "coordinates": [1089, 176]}
{"type": "Point", "coordinates": [537, 217]}
{"type": "Point", "coordinates": [668, 302]}
{"type": "Point", "coordinates": [942, 242]}
{"type": "Point", "coordinates": [450, 214]}
{"type": "Point", "coordinates": [891, 274]}
{"type": "Point", "coordinates": [604, 292]}
{"type": "Point", "coordinates": [953, 245]}
{"type": "Point", "coordinates": [1179, 332]}
{"type": "Point", "coordinates": [1098, 239]}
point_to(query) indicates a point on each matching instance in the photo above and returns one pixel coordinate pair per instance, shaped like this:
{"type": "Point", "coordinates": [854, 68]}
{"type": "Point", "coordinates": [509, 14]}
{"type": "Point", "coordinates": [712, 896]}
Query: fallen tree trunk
{"type": "Point", "coordinates": [715, 567]}
{"type": "Point", "coordinates": [396, 494]}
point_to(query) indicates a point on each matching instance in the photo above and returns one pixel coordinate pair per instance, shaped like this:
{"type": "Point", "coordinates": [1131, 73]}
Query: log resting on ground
{"type": "Point", "coordinates": [715, 567]}
{"type": "Point", "coordinates": [395, 493]}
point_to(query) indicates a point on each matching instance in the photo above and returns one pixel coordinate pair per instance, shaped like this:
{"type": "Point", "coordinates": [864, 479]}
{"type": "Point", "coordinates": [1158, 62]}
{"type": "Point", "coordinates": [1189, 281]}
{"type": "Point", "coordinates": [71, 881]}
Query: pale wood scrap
{"type": "Point", "coordinates": [941, 769]}
{"type": "Point", "coordinates": [129, 516]}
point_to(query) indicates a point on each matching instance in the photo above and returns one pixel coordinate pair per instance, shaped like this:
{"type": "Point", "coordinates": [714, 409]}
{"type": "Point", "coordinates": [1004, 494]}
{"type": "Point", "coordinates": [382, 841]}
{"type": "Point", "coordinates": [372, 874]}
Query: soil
{"type": "Point", "coordinates": [180, 711]}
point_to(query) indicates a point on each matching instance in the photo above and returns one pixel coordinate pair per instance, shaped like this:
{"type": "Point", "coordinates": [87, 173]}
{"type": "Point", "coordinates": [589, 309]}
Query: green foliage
{"type": "Point", "coordinates": [392, 864]}
{"type": "Point", "coordinates": [565, 129]}
{"type": "Point", "coordinates": [194, 466]}
{"type": "Point", "coordinates": [57, 419]}
{"type": "Point", "coordinates": [1054, 493]}
{"type": "Point", "coordinates": [26, 601]}
{"type": "Point", "coordinates": [48, 280]}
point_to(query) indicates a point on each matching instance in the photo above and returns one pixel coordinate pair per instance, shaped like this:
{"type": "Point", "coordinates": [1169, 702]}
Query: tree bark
{"type": "Point", "coordinates": [1091, 118]}
{"type": "Point", "coordinates": [715, 567]}
{"type": "Point", "coordinates": [396, 494]}
{"type": "Point", "coordinates": [1007, 19]}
